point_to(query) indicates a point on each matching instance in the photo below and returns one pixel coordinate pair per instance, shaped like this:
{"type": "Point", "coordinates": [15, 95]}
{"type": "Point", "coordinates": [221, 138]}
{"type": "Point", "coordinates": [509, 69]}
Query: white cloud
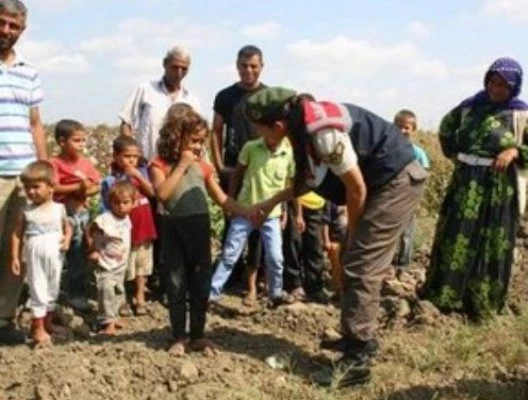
{"type": "Point", "coordinates": [389, 94]}
{"type": "Point", "coordinates": [70, 64]}
{"type": "Point", "coordinates": [513, 10]}
{"type": "Point", "coordinates": [53, 57]}
{"type": "Point", "coordinates": [431, 69]}
{"type": "Point", "coordinates": [360, 57]}
{"type": "Point", "coordinates": [145, 37]}
{"type": "Point", "coordinates": [418, 29]}
{"type": "Point", "coordinates": [267, 30]}
{"type": "Point", "coordinates": [475, 71]}
{"type": "Point", "coordinates": [142, 64]}
{"type": "Point", "coordinates": [107, 43]}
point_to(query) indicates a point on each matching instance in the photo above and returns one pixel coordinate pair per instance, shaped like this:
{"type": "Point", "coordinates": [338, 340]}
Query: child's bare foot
{"type": "Point", "coordinates": [250, 300]}
{"type": "Point", "coordinates": [119, 324]}
{"type": "Point", "coordinates": [109, 329]}
{"type": "Point", "coordinates": [38, 332]}
{"type": "Point", "coordinates": [177, 349]}
{"type": "Point", "coordinates": [204, 345]}
{"type": "Point", "coordinates": [41, 337]}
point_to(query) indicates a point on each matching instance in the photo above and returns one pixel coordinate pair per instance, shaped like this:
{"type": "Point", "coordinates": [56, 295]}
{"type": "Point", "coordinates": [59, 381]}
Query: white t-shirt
{"type": "Point", "coordinates": [335, 151]}
{"type": "Point", "coordinates": [145, 111]}
{"type": "Point", "coordinates": [44, 219]}
{"type": "Point", "coordinates": [112, 241]}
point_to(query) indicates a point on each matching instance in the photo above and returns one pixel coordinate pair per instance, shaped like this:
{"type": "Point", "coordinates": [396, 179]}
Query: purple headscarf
{"type": "Point", "coordinates": [511, 71]}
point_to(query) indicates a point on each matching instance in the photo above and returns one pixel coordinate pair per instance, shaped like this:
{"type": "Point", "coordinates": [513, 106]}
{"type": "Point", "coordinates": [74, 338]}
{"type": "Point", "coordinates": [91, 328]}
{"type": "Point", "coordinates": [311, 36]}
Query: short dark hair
{"type": "Point", "coordinates": [121, 143]}
{"type": "Point", "coordinates": [306, 96]}
{"type": "Point", "coordinates": [38, 171]}
{"type": "Point", "coordinates": [65, 128]}
{"type": "Point", "coordinates": [249, 51]}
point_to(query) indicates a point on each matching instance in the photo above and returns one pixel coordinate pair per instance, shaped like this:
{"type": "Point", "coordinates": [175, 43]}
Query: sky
{"type": "Point", "coordinates": [384, 55]}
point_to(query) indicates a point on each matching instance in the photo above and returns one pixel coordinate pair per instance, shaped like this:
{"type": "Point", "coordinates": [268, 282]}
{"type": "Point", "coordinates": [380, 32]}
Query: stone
{"type": "Point", "coordinates": [403, 309]}
{"type": "Point", "coordinates": [331, 334]}
{"type": "Point", "coordinates": [426, 311]}
{"type": "Point", "coordinates": [43, 392]}
{"type": "Point", "coordinates": [172, 386]}
{"type": "Point", "coordinates": [296, 308]}
{"type": "Point", "coordinates": [188, 371]}
{"type": "Point", "coordinates": [394, 287]}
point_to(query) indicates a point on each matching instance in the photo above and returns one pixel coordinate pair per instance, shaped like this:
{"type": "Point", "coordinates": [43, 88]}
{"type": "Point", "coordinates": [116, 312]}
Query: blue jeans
{"type": "Point", "coordinates": [239, 230]}
{"type": "Point", "coordinates": [76, 273]}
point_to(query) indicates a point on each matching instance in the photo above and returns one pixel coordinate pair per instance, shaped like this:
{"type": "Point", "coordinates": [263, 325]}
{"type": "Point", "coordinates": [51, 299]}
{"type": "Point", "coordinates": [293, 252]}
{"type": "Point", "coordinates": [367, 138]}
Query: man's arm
{"type": "Point", "coordinates": [216, 142]}
{"type": "Point", "coordinates": [235, 180]}
{"type": "Point", "coordinates": [39, 136]}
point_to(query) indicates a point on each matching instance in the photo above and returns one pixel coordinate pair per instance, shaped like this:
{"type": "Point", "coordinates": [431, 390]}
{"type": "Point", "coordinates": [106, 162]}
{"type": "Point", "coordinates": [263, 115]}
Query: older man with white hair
{"type": "Point", "coordinates": [145, 109]}
{"type": "Point", "coordinates": [142, 117]}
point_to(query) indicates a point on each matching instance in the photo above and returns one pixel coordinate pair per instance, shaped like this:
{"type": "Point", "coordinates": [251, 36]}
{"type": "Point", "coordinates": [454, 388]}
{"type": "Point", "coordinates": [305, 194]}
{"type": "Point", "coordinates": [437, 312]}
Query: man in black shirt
{"type": "Point", "coordinates": [231, 129]}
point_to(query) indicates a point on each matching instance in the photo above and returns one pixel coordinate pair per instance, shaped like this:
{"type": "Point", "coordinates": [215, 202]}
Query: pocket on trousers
{"type": "Point", "coordinates": [417, 173]}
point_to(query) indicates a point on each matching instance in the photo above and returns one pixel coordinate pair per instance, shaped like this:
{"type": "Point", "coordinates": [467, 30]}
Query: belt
{"type": "Point", "coordinates": [475, 161]}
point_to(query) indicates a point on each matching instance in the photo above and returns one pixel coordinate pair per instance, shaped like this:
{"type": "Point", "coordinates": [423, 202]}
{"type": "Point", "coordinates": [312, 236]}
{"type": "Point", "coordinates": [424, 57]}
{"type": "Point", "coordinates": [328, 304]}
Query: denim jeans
{"type": "Point", "coordinates": [271, 236]}
{"type": "Point", "coordinates": [76, 273]}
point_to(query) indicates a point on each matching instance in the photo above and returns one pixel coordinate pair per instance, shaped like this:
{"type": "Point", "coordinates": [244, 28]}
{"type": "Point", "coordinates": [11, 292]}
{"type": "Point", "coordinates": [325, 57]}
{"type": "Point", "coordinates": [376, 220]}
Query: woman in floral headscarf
{"type": "Point", "coordinates": [486, 138]}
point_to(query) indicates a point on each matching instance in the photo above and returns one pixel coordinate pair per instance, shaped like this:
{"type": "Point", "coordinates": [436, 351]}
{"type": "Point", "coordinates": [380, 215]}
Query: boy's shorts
{"type": "Point", "coordinates": [140, 261]}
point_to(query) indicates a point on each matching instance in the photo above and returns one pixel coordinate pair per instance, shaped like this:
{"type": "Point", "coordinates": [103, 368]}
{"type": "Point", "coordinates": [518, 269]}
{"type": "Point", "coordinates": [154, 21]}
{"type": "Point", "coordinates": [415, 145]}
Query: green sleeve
{"type": "Point", "coordinates": [243, 157]}
{"type": "Point", "coordinates": [449, 127]}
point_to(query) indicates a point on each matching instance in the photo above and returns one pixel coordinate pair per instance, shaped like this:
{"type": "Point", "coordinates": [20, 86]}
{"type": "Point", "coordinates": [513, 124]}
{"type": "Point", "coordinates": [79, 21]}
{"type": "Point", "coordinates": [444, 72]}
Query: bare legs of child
{"type": "Point", "coordinates": [38, 332]}
{"type": "Point", "coordinates": [251, 297]}
{"type": "Point", "coordinates": [139, 295]}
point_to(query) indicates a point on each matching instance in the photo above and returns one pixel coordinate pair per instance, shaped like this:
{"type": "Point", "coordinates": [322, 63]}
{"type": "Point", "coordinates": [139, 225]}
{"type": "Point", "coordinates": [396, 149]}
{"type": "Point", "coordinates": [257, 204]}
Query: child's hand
{"type": "Point", "coordinates": [187, 157]}
{"type": "Point", "coordinates": [85, 185]}
{"type": "Point", "coordinates": [300, 224]}
{"type": "Point", "coordinates": [327, 246]}
{"type": "Point", "coordinates": [94, 256]}
{"type": "Point", "coordinates": [64, 244]}
{"type": "Point", "coordinates": [16, 267]}
{"type": "Point", "coordinates": [284, 221]}
{"type": "Point", "coordinates": [132, 171]}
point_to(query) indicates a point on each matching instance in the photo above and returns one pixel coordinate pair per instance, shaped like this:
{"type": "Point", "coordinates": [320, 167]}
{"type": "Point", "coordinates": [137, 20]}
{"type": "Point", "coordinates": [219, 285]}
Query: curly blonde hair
{"type": "Point", "coordinates": [180, 121]}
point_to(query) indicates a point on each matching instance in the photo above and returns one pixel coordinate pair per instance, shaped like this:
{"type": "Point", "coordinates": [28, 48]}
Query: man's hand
{"type": "Point", "coordinates": [64, 244]}
{"type": "Point", "coordinates": [94, 256]}
{"type": "Point", "coordinates": [16, 266]}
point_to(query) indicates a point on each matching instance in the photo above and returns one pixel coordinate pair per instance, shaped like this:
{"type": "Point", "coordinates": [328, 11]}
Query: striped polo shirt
{"type": "Point", "coordinates": [20, 90]}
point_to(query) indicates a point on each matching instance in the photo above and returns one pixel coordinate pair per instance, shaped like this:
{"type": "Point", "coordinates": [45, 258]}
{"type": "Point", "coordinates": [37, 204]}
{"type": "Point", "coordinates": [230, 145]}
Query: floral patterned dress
{"type": "Point", "coordinates": [473, 249]}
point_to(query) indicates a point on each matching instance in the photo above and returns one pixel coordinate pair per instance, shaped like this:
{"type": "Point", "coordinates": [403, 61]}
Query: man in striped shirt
{"type": "Point", "coordinates": [22, 140]}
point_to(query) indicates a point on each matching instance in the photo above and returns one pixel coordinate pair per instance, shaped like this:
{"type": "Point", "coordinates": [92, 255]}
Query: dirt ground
{"type": "Point", "coordinates": [425, 355]}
